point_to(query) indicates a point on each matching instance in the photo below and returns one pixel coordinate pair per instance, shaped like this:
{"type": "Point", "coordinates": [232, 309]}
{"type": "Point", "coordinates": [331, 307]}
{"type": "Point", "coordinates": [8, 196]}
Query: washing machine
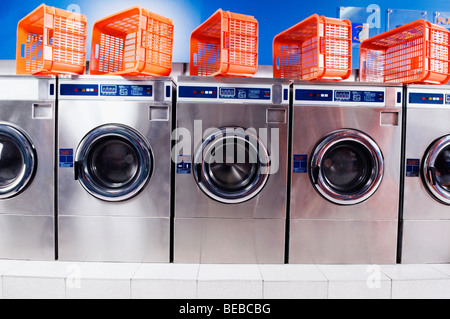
{"type": "Point", "coordinates": [231, 170]}
{"type": "Point", "coordinates": [114, 175]}
{"type": "Point", "coordinates": [426, 211]}
{"type": "Point", "coordinates": [27, 157]}
{"type": "Point", "coordinates": [346, 160]}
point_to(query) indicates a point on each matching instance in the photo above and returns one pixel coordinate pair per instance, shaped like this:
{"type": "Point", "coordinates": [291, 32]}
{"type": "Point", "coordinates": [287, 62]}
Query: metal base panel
{"type": "Point", "coordinates": [230, 241]}
{"type": "Point", "coordinates": [114, 239]}
{"type": "Point", "coordinates": [27, 237]}
{"type": "Point", "coordinates": [426, 242]}
{"type": "Point", "coordinates": [343, 242]}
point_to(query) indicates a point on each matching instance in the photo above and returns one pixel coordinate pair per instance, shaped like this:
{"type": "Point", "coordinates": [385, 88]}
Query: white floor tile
{"type": "Point", "coordinates": [293, 282]}
{"type": "Point", "coordinates": [421, 289]}
{"type": "Point", "coordinates": [356, 282]}
{"type": "Point", "coordinates": [100, 289]}
{"type": "Point", "coordinates": [5, 267]}
{"type": "Point", "coordinates": [230, 282]}
{"type": "Point", "coordinates": [33, 288]}
{"type": "Point", "coordinates": [413, 272]}
{"type": "Point", "coordinates": [163, 281]}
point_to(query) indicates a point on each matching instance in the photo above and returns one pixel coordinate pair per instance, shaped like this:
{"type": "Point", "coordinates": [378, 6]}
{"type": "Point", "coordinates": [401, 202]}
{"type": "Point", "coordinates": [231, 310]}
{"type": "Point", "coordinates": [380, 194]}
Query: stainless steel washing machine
{"type": "Point", "coordinates": [426, 210]}
{"type": "Point", "coordinates": [27, 157]}
{"type": "Point", "coordinates": [114, 176]}
{"type": "Point", "coordinates": [231, 170]}
{"type": "Point", "coordinates": [346, 151]}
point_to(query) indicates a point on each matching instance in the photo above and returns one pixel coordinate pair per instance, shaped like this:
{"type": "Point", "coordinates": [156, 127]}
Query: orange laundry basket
{"type": "Point", "coordinates": [317, 48]}
{"type": "Point", "coordinates": [225, 45]}
{"type": "Point", "coordinates": [51, 41]}
{"type": "Point", "coordinates": [134, 41]}
{"type": "Point", "coordinates": [417, 52]}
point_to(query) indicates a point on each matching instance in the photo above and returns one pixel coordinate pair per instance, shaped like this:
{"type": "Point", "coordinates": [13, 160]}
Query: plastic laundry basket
{"type": "Point", "coordinates": [225, 45]}
{"type": "Point", "coordinates": [51, 41]}
{"type": "Point", "coordinates": [134, 41]}
{"type": "Point", "coordinates": [317, 48]}
{"type": "Point", "coordinates": [417, 52]}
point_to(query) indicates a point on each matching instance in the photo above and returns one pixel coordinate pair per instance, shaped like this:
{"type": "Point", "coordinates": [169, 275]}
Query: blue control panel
{"type": "Point", "coordinates": [359, 96]}
{"type": "Point", "coordinates": [200, 92]}
{"type": "Point", "coordinates": [428, 98]}
{"type": "Point", "coordinates": [126, 90]}
{"type": "Point", "coordinates": [225, 93]}
{"type": "Point", "coordinates": [244, 94]}
{"type": "Point", "coordinates": [79, 89]}
{"type": "Point", "coordinates": [314, 95]}
{"type": "Point", "coordinates": [339, 96]}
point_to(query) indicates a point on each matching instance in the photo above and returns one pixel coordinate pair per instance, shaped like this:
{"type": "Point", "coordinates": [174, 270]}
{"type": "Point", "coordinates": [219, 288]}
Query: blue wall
{"type": "Point", "coordinates": [273, 16]}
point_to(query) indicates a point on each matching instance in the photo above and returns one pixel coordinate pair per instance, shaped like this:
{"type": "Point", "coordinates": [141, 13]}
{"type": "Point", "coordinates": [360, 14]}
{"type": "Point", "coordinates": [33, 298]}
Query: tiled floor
{"type": "Point", "coordinates": [60, 280]}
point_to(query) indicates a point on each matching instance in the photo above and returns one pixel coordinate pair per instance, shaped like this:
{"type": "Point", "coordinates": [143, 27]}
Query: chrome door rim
{"type": "Point", "coordinates": [29, 157]}
{"type": "Point", "coordinates": [339, 137]}
{"type": "Point", "coordinates": [204, 180]}
{"type": "Point", "coordinates": [135, 140]}
{"type": "Point", "coordinates": [429, 162]}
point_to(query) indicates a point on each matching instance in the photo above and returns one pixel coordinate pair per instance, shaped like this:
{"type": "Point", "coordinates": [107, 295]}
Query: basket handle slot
{"type": "Point", "coordinates": [278, 62]}
{"type": "Point", "coordinates": [195, 59]}
{"type": "Point", "coordinates": [22, 50]}
{"type": "Point", "coordinates": [97, 51]}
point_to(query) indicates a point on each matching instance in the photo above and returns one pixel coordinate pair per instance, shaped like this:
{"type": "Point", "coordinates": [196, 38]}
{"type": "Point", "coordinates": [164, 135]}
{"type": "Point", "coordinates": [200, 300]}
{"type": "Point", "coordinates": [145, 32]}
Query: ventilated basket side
{"type": "Point", "coordinates": [206, 46]}
{"type": "Point", "coordinates": [134, 41]}
{"type": "Point", "coordinates": [318, 48]}
{"type": "Point", "coordinates": [414, 53]}
{"type": "Point", "coordinates": [115, 43]}
{"type": "Point", "coordinates": [158, 43]}
{"type": "Point", "coordinates": [225, 45]}
{"type": "Point", "coordinates": [335, 49]}
{"type": "Point", "coordinates": [296, 51]}
{"type": "Point", "coordinates": [239, 46]}
{"type": "Point", "coordinates": [438, 56]}
{"type": "Point", "coordinates": [51, 41]}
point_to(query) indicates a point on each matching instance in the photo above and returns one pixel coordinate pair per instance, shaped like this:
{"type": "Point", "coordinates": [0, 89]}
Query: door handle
{"type": "Point", "coordinates": [432, 173]}
{"type": "Point", "coordinates": [199, 173]}
{"type": "Point", "coordinates": [315, 174]}
{"type": "Point", "coordinates": [77, 166]}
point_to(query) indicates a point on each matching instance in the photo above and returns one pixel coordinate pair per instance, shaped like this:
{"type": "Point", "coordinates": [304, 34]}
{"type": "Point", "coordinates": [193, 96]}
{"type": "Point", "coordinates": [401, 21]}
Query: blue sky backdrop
{"type": "Point", "coordinates": [273, 16]}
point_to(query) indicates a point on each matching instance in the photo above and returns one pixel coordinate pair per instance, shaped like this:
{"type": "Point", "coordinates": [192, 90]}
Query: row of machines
{"type": "Point", "coordinates": [223, 170]}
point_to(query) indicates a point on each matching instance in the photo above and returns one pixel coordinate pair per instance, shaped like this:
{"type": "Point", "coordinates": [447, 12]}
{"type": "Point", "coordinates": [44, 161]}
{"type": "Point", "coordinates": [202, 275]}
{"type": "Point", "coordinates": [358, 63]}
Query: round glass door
{"type": "Point", "coordinates": [17, 161]}
{"type": "Point", "coordinates": [347, 167]}
{"type": "Point", "coordinates": [436, 170]}
{"type": "Point", "coordinates": [113, 163]}
{"type": "Point", "coordinates": [232, 166]}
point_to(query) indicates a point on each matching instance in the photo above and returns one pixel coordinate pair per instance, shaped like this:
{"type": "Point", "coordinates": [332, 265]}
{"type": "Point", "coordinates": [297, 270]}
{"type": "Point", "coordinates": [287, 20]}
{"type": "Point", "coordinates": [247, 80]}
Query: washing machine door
{"type": "Point", "coordinates": [113, 163]}
{"type": "Point", "coordinates": [436, 170]}
{"type": "Point", "coordinates": [18, 161]}
{"type": "Point", "coordinates": [232, 165]}
{"type": "Point", "coordinates": [347, 167]}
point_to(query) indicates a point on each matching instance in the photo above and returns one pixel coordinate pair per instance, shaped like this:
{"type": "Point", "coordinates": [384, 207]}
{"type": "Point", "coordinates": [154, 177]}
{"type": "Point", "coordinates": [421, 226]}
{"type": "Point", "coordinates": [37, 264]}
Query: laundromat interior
{"type": "Point", "coordinates": [193, 149]}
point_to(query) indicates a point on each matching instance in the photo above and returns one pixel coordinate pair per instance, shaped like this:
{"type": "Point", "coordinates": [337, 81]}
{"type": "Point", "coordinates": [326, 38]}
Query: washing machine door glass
{"type": "Point", "coordinates": [113, 163]}
{"type": "Point", "coordinates": [17, 161]}
{"type": "Point", "coordinates": [347, 167]}
{"type": "Point", "coordinates": [436, 170]}
{"type": "Point", "coordinates": [232, 165]}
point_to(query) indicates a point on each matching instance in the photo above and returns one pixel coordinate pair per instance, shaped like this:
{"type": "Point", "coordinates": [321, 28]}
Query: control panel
{"type": "Point", "coordinates": [126, 90]}
{"type": "Point", "coordinates": [341, 96]}
{"type": "Point", "coordinates": [79, 89]}
{"type": "Point", "coordinates": [198, 92]}
{"type": "Point", "coordinates": [314, 95]}
{"type": "Point", "coordinates": [106, 90]}
{"type": "Point", "coordinates": [224, 93]}
{"type": "Point", "coordinates": [429, 98]}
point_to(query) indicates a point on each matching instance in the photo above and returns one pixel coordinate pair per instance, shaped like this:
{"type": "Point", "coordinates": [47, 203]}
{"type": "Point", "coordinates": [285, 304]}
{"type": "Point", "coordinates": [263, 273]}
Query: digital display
{"type": "Point", "coordinates": [227, 92]}
{"type": "Point", "coordinates": [343, 95]}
